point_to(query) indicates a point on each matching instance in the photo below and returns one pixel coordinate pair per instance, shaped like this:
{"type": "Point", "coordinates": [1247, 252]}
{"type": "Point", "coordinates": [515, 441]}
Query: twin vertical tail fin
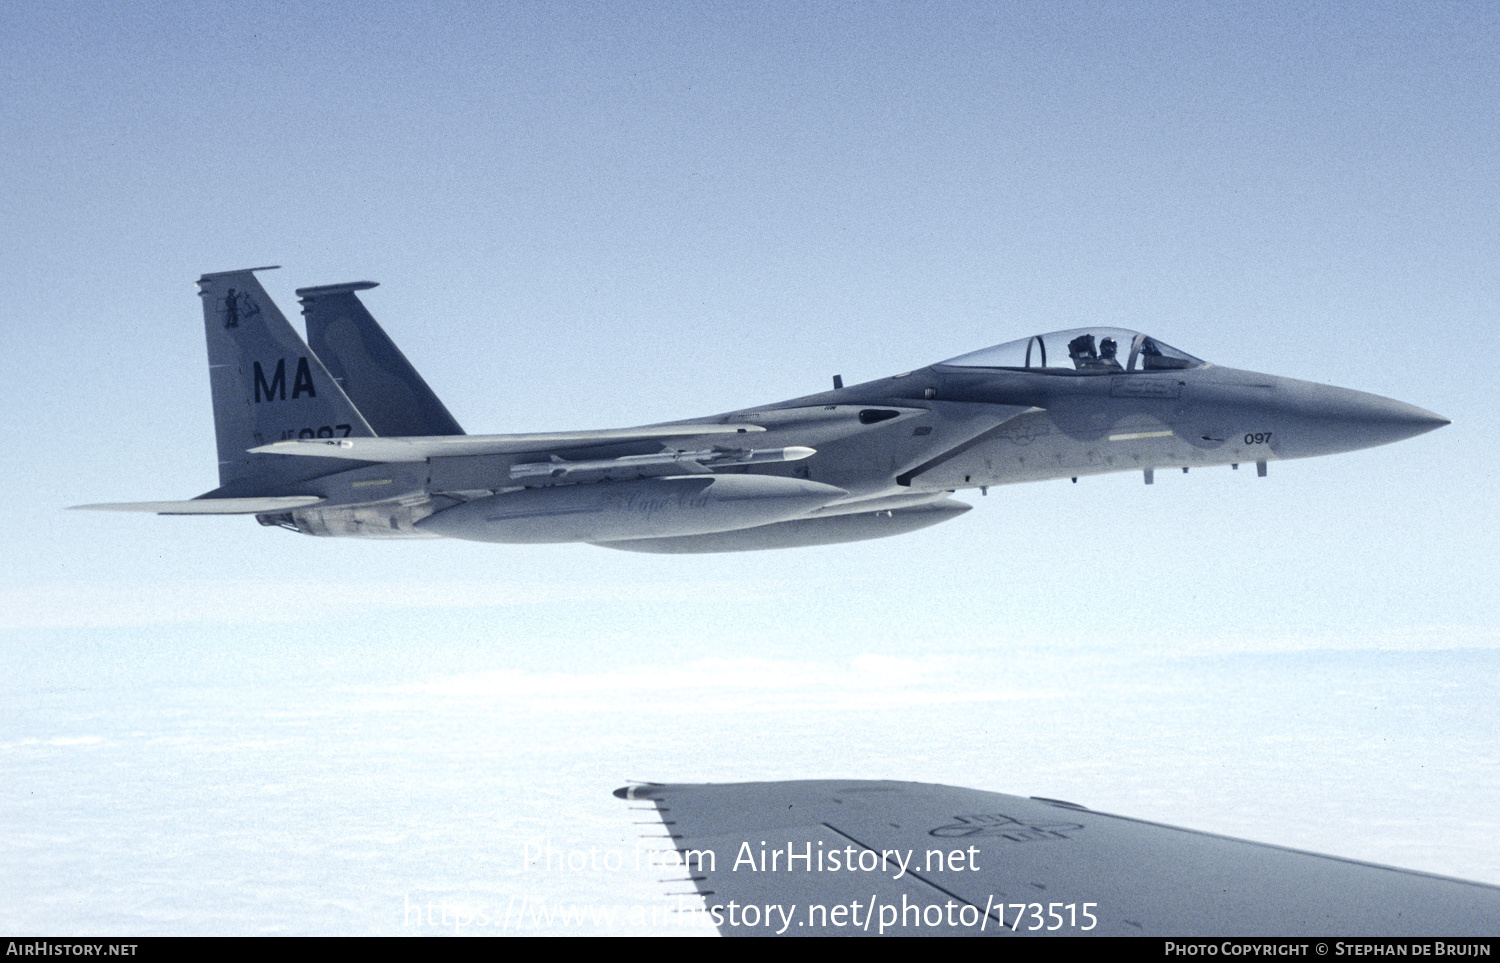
{"type": "Point", "coordinates": [268, 386]}
{"type": "Point", "coordinates": [373, 372]}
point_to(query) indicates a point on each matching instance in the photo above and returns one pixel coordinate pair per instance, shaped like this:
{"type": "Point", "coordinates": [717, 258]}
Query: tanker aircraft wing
{"type": "Point", "coordinates": [833, 857]}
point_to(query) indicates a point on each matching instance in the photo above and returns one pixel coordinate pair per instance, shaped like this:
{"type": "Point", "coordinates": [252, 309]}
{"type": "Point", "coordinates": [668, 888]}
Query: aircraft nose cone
{"type": "Point", "coordinates": [1397, 418]}
{"type": "Point", "coordinates": [1368, 420]}
{"type": "Point", "coordinates": [1323, 420]}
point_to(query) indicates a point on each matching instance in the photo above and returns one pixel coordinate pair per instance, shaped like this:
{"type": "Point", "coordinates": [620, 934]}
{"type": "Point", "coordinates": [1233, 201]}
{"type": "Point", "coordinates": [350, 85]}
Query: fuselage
{"type": "Point", "coordinates": [885, 454]}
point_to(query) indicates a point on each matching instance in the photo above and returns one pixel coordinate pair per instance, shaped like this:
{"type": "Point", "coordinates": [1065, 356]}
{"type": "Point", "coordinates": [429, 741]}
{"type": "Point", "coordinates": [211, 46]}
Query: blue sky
{"type": "Point", "coordinates": [593, 215]}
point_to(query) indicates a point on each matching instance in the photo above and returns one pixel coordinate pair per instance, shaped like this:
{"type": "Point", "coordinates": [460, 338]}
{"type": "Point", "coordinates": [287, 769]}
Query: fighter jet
{"type": "Point", "coordinates": [339, 436]}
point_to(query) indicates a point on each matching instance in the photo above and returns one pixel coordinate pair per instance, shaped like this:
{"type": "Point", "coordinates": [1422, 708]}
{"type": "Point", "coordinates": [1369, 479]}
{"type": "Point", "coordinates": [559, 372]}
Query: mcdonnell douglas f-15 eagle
{"type": "Point", "coordinates": [338, 435]}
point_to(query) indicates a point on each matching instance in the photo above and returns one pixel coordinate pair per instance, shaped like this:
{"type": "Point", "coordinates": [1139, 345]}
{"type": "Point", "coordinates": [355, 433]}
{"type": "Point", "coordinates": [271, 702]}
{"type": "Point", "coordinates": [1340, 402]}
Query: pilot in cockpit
{"type": "Point", "coordinates": [1087, 358]}
{"type": "Point", "coordinates": [1108, 349]}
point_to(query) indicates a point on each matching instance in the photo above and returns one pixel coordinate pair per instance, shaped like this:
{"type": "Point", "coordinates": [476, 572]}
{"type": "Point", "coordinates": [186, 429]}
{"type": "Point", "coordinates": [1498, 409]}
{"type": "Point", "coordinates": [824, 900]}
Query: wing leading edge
{"type": "Point", "coordinates": [803, 425]}
{"type": "Point", "coordinates": [452, 446]}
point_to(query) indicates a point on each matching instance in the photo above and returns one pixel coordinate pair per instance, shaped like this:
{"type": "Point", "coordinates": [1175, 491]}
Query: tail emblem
{"type": "Point", "coordinates": [234, 306]}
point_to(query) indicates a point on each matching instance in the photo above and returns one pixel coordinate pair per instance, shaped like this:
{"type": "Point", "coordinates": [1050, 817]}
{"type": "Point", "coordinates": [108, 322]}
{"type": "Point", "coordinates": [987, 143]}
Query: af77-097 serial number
{"type": "Point", "coordinates": [325, 431]}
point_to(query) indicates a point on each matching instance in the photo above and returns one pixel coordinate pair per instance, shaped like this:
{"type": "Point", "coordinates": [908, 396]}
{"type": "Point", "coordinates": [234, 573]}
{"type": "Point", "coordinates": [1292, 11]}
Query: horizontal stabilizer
{"type": "Point", "coordinates": [212, 506]}
{"type": "Point", "coordinates": [454, 446]}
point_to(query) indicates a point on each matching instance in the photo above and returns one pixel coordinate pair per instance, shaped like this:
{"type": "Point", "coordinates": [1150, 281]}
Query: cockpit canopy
{"type": "Point", "coordinates": [1081, 351]}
